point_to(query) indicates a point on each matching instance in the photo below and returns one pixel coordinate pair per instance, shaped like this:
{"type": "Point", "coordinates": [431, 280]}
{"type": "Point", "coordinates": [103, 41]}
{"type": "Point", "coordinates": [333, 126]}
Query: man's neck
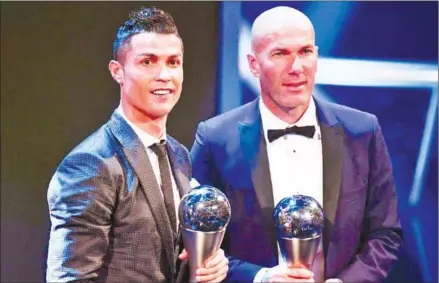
{"type": "Point", "coordinates": [155, 127]}
{"type": "Point", "coordinates": [288, 115]}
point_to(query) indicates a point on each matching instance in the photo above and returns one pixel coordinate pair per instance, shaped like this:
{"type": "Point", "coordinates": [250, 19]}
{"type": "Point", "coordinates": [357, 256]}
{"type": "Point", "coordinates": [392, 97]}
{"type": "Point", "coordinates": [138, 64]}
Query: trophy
{"type": "Point", "coordinates": [204, 214]}
{"type": "Point", "coordinates": [298, 220]}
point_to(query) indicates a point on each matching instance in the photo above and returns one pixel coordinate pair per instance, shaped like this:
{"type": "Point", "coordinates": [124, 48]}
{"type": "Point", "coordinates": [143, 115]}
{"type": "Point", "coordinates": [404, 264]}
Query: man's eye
{"type": "Point", "coordinates": [174, 62]}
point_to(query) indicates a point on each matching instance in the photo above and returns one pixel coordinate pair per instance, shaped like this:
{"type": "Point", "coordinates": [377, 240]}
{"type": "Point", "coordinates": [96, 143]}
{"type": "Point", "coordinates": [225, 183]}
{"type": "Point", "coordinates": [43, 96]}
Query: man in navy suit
{"type": "Point", "coordinates": [285, 142]}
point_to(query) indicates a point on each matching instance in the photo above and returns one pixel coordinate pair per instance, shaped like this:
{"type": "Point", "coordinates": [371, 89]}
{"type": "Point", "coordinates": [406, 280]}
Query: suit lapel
{"type": "Point", "coordinates": [136, 154]}
{"type": "Point", "coordinates": [332, 146]}
{"type": "Point", "coordinates": [332, 149]}
{"type": "Point", "coordinates": [178, 165]}
{"type": "Point", "coordinates": [254, 147]}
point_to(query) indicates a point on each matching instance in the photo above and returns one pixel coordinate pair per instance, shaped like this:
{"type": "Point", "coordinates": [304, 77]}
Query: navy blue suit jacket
{"type": "Point", "coordinates": [362, 234]}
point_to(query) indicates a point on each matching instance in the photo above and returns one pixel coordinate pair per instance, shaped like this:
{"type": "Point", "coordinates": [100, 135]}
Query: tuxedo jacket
{"type": "Point", "coordinates": [108, 218]}
{"type": "Point", "coordinates": [362, 232]}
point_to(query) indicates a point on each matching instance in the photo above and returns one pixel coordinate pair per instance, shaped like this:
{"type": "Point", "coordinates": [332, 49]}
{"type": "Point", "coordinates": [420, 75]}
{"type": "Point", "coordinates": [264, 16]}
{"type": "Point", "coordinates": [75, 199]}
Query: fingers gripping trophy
{"type": "Point", "coordinates": [298, 220]}
{"type": "Point", "coordinates": [204, 214]}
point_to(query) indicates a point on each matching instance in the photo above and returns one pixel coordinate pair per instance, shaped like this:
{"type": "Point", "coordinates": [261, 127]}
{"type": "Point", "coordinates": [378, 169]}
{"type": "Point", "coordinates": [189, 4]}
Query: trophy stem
{"type": "Point", "coordinates": [200, 246]}
{"type": "Point", "coordinates": [299, 252]}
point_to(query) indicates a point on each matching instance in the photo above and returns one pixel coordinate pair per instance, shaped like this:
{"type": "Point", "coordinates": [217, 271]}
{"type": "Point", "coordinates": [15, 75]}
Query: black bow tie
{"type": "Point", "coordinates": [307, 131]}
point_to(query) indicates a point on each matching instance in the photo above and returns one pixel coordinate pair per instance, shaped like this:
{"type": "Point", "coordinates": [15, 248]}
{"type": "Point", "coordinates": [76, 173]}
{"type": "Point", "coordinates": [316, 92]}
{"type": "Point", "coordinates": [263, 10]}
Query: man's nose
{"type": "Point", "coordinates": [296, 65]}
{"type": "Point", "coordinates": [163, 74]}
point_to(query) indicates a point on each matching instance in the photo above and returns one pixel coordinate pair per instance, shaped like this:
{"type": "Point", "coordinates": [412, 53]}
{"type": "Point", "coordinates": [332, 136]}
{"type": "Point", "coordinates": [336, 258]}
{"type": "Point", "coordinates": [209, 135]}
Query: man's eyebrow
{"type": "Point", "coordinates": [310, 45]}
{"type": "Point", "coordinates": [288, 50]}
{"type": "Point", "coordinates": [147, 54]}
{"type": "Point", "coordinates": [283, 49]}
{"type": "Point", "coordinates": [175, 56]}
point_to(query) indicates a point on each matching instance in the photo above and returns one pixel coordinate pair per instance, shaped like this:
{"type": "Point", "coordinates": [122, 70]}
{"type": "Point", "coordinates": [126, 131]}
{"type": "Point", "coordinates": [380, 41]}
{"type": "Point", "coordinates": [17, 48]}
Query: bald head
{"type": "Point", "coordinates": [277, 19]}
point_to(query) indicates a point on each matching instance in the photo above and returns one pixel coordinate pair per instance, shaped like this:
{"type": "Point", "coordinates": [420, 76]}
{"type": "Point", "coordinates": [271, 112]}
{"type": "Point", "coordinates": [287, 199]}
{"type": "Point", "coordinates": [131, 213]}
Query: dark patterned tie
{"type": "Point", "coordinates": [165, 175]}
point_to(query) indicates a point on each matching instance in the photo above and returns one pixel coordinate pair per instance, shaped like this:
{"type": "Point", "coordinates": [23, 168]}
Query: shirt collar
{"type": "Point", "coordinates": [271, 121]}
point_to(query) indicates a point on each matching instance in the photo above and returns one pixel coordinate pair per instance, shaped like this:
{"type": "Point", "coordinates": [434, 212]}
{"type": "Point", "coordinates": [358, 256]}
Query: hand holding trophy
{"type": "Point", "coordinates": [204, 214]}
{"type": "Point", "coordinates": [298, 220]}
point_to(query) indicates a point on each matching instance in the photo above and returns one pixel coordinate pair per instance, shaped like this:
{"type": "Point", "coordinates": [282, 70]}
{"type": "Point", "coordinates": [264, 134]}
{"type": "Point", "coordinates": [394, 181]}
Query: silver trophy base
{"type": "Point", "coordinates": [200, 246]}
{"type": "Point", "coordinates": [299, 252]}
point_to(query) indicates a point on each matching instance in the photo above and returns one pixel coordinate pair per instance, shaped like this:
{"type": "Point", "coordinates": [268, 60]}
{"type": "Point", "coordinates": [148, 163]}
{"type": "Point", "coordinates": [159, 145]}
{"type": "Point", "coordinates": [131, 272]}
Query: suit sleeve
{"type": "Point", "coordinates": [202, 162]}
{"type": "Point", "coordinates": [81, 197]}
{"type": "Point", "coordinates": [205, 172]}
{"type": "Point", "coordinates": [382, 233]}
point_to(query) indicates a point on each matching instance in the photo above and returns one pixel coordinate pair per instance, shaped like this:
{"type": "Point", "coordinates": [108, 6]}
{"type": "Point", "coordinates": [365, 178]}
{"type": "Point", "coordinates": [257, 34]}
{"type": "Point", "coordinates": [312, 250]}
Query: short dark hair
{"type": "Point", "coordinates": [144, 20]}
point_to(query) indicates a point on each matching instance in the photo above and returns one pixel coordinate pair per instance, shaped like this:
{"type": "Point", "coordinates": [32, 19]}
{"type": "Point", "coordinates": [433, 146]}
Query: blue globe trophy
{"type": "Point", "coordinates": [204, 214]}
{"type": "Point", "coordinates": [298, 220]}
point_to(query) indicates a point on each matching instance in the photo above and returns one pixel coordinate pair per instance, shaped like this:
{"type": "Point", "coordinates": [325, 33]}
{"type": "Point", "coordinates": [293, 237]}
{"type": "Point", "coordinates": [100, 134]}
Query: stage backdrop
{"type": "Point", "coordinates": [379, 57]}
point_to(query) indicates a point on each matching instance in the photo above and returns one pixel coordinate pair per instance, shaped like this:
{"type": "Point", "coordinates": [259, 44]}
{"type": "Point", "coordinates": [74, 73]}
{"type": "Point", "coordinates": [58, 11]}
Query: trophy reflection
{"type": "Point", "coordinates": [298, 220]}
{"type": "Point", "coordinates": [204, 214]}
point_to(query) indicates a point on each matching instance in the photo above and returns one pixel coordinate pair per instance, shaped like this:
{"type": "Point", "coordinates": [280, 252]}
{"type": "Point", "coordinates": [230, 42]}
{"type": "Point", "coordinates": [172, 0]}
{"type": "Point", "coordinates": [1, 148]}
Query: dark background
{"type": "Point", "coordinates": [56, 89]}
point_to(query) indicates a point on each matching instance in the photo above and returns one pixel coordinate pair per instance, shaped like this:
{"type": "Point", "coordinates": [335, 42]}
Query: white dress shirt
{"type": "Point", "coordinates": [148, 140]}
{"type": "Point", "coordinates": [296, 166]}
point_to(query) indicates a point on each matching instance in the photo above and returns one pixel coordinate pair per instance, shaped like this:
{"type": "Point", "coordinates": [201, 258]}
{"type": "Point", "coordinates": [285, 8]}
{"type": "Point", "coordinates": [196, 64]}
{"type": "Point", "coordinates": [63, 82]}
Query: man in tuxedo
{"type": "Point", "coordinates": [288, 142]}
{"type": "Point", "coordinates": [113, 200]}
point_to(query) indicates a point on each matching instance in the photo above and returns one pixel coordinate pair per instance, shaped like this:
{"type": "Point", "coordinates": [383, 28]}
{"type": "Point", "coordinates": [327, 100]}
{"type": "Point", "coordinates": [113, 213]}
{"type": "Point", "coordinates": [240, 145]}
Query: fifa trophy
{"type": "Point", "coordinates": [204, 214]}
{"type": "Point", "coordinates": [298, 220]}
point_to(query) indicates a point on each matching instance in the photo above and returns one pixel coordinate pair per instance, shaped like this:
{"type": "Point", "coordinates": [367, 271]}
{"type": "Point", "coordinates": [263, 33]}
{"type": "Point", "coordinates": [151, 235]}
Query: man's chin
{"type": "Point", "coordinates": [294, 102]}
{"type": "Point", "coordinates": [161, 113]}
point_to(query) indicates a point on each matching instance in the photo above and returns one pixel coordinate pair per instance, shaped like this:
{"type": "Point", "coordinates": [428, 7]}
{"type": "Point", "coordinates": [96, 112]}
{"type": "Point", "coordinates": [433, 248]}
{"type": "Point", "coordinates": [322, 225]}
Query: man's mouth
{"type": "Point", "coordinates": [162, 91]}
{"type": "Point", "coordinates": [295, 84]}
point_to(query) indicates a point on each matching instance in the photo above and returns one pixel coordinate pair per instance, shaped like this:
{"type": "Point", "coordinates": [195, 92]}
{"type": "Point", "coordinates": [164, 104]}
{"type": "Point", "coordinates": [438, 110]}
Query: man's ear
{"type": "Point", "coordinates": [116, 71]}
{"type": "Point", "coordinates": [253, 64]}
